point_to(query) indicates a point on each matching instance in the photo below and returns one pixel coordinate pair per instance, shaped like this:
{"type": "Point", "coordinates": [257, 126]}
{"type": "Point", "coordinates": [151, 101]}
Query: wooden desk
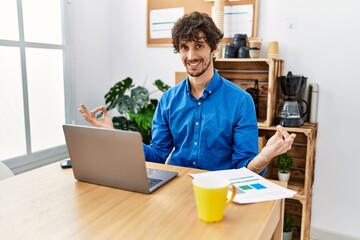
{"type": "Point", "coordinates": [48, 203]}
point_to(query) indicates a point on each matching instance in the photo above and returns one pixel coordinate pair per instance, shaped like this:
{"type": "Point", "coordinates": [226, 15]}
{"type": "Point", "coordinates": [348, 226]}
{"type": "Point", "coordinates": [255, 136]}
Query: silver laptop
{"type": "Point", "coordinates": [112, 158]}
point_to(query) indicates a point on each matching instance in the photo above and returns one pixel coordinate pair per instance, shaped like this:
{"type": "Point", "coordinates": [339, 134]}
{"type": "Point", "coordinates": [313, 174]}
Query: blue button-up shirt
{"type": "Point", "coordinates": [215, 132]}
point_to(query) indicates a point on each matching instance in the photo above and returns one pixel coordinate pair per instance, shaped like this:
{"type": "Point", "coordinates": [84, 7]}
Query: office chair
{"type": "Point", "coordinates": [5, 172]}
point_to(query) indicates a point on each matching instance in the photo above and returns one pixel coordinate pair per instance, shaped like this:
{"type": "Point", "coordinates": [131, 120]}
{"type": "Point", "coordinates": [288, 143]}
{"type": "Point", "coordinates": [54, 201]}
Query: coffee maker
{"type": "Point", "coordinates": [292, 108]}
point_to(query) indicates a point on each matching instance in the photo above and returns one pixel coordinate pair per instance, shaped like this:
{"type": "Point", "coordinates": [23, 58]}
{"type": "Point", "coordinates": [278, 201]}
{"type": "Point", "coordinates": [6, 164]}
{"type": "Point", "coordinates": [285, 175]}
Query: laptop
{"type": "Point", "coordinates": [113, 158]}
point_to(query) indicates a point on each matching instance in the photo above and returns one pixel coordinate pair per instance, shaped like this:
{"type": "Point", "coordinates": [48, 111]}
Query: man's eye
{"type": "Point", "coordinates": [199, 46]}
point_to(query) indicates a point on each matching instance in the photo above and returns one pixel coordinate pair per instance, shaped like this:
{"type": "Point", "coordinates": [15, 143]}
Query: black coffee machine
{"type": "Point", "coordinates": [292, 108]}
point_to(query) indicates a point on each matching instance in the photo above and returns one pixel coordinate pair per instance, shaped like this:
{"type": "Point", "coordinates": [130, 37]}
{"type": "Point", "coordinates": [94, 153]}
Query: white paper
{"type": "Point", "coordinates": [250, 187]}
{"type": "Point", "coordinates": [237, 19]}
{"type": "Point", "coordinates": [162, 21]}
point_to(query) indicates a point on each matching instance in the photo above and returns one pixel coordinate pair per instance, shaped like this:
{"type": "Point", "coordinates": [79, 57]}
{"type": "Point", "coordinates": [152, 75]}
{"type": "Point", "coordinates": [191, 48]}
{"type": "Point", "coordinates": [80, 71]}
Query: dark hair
{"type": "Point", "coordinates": [190, 26]}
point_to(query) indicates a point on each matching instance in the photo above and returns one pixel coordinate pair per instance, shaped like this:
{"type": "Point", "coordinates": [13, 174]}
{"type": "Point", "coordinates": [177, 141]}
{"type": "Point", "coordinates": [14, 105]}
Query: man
{"type": "Point", "coordinates": [206, 121]}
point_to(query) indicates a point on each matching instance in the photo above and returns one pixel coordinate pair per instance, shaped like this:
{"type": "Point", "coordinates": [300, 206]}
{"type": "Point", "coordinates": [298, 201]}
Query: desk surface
{"type": "Point", "coordinates": [48, 203]}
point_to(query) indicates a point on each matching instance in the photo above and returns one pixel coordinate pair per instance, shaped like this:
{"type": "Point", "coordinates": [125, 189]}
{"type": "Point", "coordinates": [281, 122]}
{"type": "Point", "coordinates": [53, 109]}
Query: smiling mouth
{"type": "Point", "coordinates": [193, 63]}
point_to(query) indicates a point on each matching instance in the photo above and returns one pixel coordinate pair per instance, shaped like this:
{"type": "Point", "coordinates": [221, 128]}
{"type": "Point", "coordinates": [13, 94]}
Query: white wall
{"type": "Point", "coordinates": [109, 43]}
{"type": "Point", "coordinates": [90, 28]}
{"type": "Point", "coordinates": [318, 48]}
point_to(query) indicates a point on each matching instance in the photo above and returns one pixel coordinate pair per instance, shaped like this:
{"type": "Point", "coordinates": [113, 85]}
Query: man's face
{"type": "Point", "coordinates": [196, 56]}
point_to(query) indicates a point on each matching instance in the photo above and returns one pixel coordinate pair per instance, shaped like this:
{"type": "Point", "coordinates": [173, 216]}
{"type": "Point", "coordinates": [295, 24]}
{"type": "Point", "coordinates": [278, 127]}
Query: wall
{"type": "Point", "coordinates": [317, 47]}
{"type": "Point", "coordinates": [90, 30]}
{"type": "Point", "coordinates": [109, 43]}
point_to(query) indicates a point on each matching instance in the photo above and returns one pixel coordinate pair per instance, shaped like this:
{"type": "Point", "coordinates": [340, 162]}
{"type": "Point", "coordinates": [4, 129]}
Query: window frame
{"type": "Point", "coordinates": [33, 160]}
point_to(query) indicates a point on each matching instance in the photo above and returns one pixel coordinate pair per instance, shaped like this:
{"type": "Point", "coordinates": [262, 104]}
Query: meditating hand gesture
{"type": "Point", "coordinates": [278, 144]}
{"type": "Point", "coordinates": [104, 121]}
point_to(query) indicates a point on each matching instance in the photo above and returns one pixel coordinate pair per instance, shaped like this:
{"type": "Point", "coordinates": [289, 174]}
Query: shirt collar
{"type": "Point", "coordinates": [213, 85]}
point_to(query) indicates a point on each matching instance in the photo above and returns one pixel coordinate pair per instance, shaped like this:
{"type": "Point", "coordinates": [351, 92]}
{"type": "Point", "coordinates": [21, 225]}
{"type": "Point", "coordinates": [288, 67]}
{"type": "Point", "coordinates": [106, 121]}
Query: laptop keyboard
{"type": "Point", "coordinates": [153, 181]}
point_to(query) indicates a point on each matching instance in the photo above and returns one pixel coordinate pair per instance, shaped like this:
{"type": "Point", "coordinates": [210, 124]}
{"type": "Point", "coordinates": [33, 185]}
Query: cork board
{"type": "Point", "coordinates": [190, 6]}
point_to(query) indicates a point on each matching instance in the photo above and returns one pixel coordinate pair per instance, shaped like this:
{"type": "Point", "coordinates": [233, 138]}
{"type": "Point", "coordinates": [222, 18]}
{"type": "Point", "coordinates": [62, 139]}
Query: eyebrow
{"type": "Point", "coordinates": [201, 40]}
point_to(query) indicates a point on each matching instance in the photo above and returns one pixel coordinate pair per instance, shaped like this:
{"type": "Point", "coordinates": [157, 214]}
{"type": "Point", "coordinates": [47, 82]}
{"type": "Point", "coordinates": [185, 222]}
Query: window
{"type": "Point", "coordinates": [32, 83]}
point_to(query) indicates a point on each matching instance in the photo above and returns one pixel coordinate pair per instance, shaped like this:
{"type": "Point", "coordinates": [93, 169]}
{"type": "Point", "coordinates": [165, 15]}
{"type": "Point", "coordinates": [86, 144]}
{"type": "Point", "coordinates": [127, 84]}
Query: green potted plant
{"type": "Point", "coordinates": [284, 163]}
{"type": "Point", "coordinates": [287, 227]}
{"type": "Point", "coordinates": [135, 108]}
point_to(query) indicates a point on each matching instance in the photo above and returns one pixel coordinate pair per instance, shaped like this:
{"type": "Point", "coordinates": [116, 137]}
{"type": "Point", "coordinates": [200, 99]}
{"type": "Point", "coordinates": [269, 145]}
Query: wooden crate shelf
{"type": "Point", "coordinates": [295, 208]}
{"type": "Point", "coordinates": [302, 175]}
{"type": "Point", "coordinates": [244, 71]}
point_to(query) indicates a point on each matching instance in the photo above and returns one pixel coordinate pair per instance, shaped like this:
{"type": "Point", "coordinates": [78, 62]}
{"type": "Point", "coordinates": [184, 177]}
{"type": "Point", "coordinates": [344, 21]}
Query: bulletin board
{"type": "Point", "coordinates": [190, 6]}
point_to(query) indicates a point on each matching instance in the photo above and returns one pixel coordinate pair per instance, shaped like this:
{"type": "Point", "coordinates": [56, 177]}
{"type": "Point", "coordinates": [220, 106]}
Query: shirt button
{"type": "Point", "coordinates": [195, 143]}
{"type": "Point", "coordinates": [194, 163]}
{"type": "Point", "coordinates": [199, 103]}
{"type": "Point", "coordinates": [197, 123]}
{"type": "Point", "coordinates": [210, 92]}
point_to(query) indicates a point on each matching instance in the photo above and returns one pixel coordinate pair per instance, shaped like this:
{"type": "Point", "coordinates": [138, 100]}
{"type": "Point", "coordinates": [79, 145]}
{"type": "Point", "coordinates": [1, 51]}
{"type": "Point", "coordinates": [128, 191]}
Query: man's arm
{"type": "Point", "coordinates": [161, 143]}
{"type": "Point", "coordinates": [245, 145]}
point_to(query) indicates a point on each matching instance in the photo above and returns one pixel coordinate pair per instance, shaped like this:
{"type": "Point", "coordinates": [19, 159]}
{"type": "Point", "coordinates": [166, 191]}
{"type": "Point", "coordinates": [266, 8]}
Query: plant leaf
{"type": "Point", "coordinates": [285, 162]}
{"type": "Point", "coordinates": [136, 109]}
{"type": "Point", "coordinates": [144, 118]}
{"type": "Point", "coordinates": [288, 225]}
{"type": "Point", "coordinates": [154, 102]}
{"type": "Point", "coordinates": [121, 123]}
{"type": "Point", "coordinates": [123, 104]}
{"type": "Point", "coordinates": [146, 134]}
{"type": "Point", "coordinates": [139, 99]}
{"type": "Point", "coordinates": [161, 85]}
{"type": "Point", "coordinates": [111, 98]}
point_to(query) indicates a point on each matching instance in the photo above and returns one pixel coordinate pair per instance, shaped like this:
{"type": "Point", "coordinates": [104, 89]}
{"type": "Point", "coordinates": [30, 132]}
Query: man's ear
{"type": "Point", "coordinates": [216, 52]}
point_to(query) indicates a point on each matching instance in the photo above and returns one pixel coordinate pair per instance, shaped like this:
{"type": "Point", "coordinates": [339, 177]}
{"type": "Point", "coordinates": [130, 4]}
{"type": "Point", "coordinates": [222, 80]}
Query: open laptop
{"type": "Point", "coordinates": [113, 158]}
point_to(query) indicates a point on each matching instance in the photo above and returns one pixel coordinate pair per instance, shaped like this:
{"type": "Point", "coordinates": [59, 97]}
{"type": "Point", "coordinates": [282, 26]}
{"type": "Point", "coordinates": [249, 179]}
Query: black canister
{"type": "Point", "coordinates": [243, 52]}
{"type": "Point", "coordinates": [230, 50]}
{"type": "Point", "coordinates": [240, 40]}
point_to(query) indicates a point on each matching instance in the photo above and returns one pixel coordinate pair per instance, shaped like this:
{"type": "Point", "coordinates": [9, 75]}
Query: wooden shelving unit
{"type": "Point", "coordinates": [302, 175]}
{"type": "Point", "coordinates": [244, 71]}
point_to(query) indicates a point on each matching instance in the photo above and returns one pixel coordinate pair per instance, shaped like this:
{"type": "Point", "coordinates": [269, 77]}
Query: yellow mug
{"type": "Point", "coordinates": [210, 197]}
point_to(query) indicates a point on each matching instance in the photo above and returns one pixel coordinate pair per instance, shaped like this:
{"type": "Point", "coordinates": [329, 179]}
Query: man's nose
{"type": "Point", "coordinates": [191, 54]}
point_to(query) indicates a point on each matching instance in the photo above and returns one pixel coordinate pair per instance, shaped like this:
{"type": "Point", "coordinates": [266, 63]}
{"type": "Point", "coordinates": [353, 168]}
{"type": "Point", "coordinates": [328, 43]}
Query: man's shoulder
{"type": "Point", "coordinates": [174, 92]}
{"type": "Point", "coordinates": [176, 89]}
{"type": "Point", "coordinates": [230, 86]}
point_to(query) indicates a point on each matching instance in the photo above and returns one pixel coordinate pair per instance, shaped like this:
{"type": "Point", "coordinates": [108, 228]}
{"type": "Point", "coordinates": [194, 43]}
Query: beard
{"type": "Point", "coordinates": [205, 65]}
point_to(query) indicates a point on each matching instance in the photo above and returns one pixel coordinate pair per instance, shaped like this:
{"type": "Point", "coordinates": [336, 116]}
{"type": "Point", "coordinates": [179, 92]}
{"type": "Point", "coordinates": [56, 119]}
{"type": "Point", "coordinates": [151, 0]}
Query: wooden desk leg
{"type": "Point", "coordinates": [278, 233]}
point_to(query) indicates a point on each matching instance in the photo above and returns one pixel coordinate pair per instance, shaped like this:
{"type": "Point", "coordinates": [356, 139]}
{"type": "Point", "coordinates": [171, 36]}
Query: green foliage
{"type": "Point", "coordinates": [136, 109]}
{"type": "Point", "coordinates": [285, 163]}
{"type": "Point", "coordinates": [288, 225]}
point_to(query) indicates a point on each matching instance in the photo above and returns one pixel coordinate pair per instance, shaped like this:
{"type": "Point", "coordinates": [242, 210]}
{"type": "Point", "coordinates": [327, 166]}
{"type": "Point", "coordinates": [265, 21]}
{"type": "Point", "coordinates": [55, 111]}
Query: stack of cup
{"type": "Point", "coordinates": [230, 50]}
{"type": "Point", "coordinates": [240, 40]}
{"type": "Point", "coordinates": [238, 48]}
{"type": "Point", "coordinates": [242, 50]}
{"type": "Point", "coordinates": [255, 46]}
{"type": "Point", "coordinates": [273, 49]}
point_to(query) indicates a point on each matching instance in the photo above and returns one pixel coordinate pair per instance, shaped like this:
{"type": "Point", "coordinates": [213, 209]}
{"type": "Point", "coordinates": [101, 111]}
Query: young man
{"type": "Point", "coordinates": [206, 121]}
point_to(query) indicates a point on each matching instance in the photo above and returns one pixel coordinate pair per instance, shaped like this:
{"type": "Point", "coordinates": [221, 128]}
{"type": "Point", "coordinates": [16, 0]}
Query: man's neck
{"type": "Point", "coordinates": [198, 84]}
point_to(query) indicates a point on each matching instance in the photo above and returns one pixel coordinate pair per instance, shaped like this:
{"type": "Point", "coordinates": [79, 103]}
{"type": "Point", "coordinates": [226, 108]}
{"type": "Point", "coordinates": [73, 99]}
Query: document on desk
{"type": "Point", "coordinates": [250, 187]}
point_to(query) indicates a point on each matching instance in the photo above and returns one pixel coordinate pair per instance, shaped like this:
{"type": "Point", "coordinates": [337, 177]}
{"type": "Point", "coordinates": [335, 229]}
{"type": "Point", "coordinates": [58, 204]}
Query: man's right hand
{"type": "Point", "coordinates": [104, 121]}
